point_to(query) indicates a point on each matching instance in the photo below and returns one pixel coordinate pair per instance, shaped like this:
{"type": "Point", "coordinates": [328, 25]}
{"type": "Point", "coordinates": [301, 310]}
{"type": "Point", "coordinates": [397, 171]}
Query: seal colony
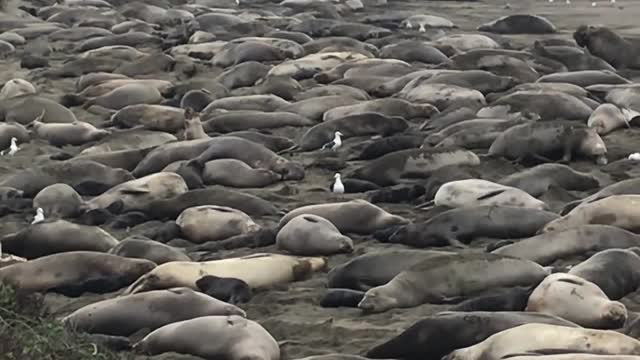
{"type": "Point", "coordinates": [310, 179]}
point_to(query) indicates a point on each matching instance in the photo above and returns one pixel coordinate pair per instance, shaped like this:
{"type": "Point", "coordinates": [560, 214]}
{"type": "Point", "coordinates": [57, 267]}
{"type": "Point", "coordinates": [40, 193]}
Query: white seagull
{"type": "Point", "coordinates": [338, 186]}
{"type": "Point", "coordinates": [335, 143]}
{"type": "Point", "coordinates": [13, 148]}
{"type": "Point", "coordinates": [39, 216]}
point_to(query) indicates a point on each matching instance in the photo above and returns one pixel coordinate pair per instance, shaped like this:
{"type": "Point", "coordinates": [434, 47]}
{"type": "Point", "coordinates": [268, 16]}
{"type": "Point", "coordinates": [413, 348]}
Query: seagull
{"type": "Point", "coordinates": [13, 148]}
{"type": "Point", "coordinates": [335, 143]}
{"type": "Point", "coordinates": [338, 186]}
{"type": "Point", "coordinates": [634, 157]}
{"type": "Point", "coordinates": [39, 216]}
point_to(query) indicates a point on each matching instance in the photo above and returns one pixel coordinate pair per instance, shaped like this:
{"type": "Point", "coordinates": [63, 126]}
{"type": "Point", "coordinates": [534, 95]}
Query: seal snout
{"type": "Point", "coordinates": [616, 314]}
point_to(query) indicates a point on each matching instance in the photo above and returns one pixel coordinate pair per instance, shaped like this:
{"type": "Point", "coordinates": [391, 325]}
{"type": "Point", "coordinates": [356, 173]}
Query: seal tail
{"type": "Point", "coordinates": [70, 100]}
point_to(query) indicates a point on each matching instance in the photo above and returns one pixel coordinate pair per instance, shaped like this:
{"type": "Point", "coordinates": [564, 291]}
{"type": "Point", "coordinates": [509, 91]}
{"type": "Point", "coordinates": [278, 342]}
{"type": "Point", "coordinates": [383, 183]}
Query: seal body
{"type": "Point", "coordinates": [577, 300]}
{"type": "Point", "coordinates": [615, 271]}
{"type": "Point", "coordinates": [232, 172]}
{"type": "Point", "coordinates": [312, 235]}
{"type": "Point", "coordinates": [606, 118]}
{"type": "Point", "coordinates": [151, 250]}
{"type": "Point", "coordinates": [212, 223]}
{"type": "Point", "coordinates": [617, 210]}
{"type": "Point", "coordinates": [237, 338]}
{"type": "Point", "coordinates": [477, 192]}
{"type": "Point", "coordinates": [123, 316]}
{"type": "Point", "coordinates": [59, 200]}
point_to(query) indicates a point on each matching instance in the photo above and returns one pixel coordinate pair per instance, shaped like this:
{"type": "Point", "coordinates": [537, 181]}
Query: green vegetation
{"type": "Point", "coordinates": [27, 332]}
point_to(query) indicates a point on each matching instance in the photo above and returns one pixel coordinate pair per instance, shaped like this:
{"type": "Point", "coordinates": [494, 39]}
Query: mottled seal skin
{"type": "Point", "coordinates": [212, 195]}
{"type": "Point", "coordinates": [569, 339]}
{"type": "Point", "coordinates": [74, 272]}
{"type": "Point", "coordinates": [537, 180]}
{"type": "Point", "coordinates": [608, 45]}
{"type": "Point", "coordinates": [59, 201]}
{"type": "Point", "coordinates": [616, 210]}
{"type": "Point", "coordinates": [355, 216]}
{"type": "Point", "coordinates": [380, 147]}
{"type": "Point", "coordinates": [233, 291]}
{"type": "Point", "coordinates": [59, 236]}
{"type": "Point", "coordinates": [607, 118]}
{"type": "Point", "coordinates": [244, 74]}
{"type": "Point", "coordinates": [312, 235]}
{"type": "Point", "coordinates": [509, 299]}
{"type": "Point", "coordinates": [75, 133]}
{"type": "Point", "coordinates": [478, 192]}
{"type": "Point", "coordinates": [204, 223]}
{"type": "Point", "coordinates": [376, 268]}
{"type": "Point", "coordinates": [426, 282]}
{"type": "Point", "coordinates": [341, 298]}
{"type": "Point", "coordinates": [351, 126]}
{"type": "Point", "coordinates": [580, 241]}
{"type": "Point", "coordinates": [577, 300]}
{"type": "Point", "coordinates": [390, 169]}
{"type": "Point", "coordinates": [237, 338]}
{"type": "Point", "coordinates": [629, 186]}
{"type": "Point", "coordinates": [235, 173]}
{"type": "Point", "coordinates": [85, 176]}
{"type": "Point", "coordinates": [519, 24]}
{"type": "Point", "coordinates": [151, 117]}
{"type": "Point", "coordinates": [615, 271]}
{"type": "Point", "coordinates": [540, 139]}
{"type": "Point", "coordinates": [437, 335]}
{"type": "Point", "coordinates": [464, 224]}
{"type": "Point", "coordinates": [124, 316]}
{"type": "Point", "coordinates": [142, 248]}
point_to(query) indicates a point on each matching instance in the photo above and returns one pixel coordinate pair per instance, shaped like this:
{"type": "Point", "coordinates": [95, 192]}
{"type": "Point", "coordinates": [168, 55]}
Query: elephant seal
{"type": "Point", "coordinates": [58, 236]}
{"type": "Point", "coordinates": [74, 272]}
{"type": "Point", "coordinates": [380, 147]}
{"type": "Point", "coordinates": [478, 192]}
{"type": "Point", "coordinates": [312, 235]}
{"type": "Point", "coordinates": [615, 271]}
{"type": "Point", "coordinates": [389, 107]}
{"type": "Point", "coordinates": [75, 133]}
{"type": "Point", "coordinates": [509, 299]}
{"type": "Point", "coordinates": [377, 268]}
{"type": "Point", "coordinates": [212, 195]}
{"type": "Point", "coordinates": [125, 95]}
{"type": "Point", "coordinates": [432, 281]}
{"type": "Point", "coordinates": [464, 224]}
{"type": "Point", "coordinates": [151, 117]}
{"type": "Point", "coordinates": [233, 291]}
{"type": "Point", "coordinates": [251, 119]}
{"type": "Point", "coordinates": [196, 99]}
{"type": "Point", "coordinates": [351, 126]}
{"type": "Point", "coordinates": [540, 139]}
{"type": "Point", "coordinates": [617, 210]}
{"type": "Point", "coordinates": [213, 223]}
{"type": "Point", "coordinates": [608, 45]}
{"type": "Point", "coordinates": [13, 130]}
{"type": "Point", "coordinates": [237, 338]}
{"type": "Point", "coordinates": [538, 179]}
{"type": "Point", "coordinates": [577, 300]}
{"type": "Point", "coordinates": [85, 176]}
{"type": "Point", "coordinates": [137, 194]}
{"type": "Point", "coordinates": [59, 201]}
{"type": "Point", "coordinates": [569, 339]}
{"type": "Point", "coordinates": [140, 248]}
{"type": "Point", "coordinates": [23, 109]}
{"type": "Point", "coordinates": [355, 216]}
{"type": "Point", "coordinates": [390, 169]}
{"type": "Point", "coordinates": [243, 74]}
{"type": "Point", "coordinates": [16, 87]}
{"type": "Point", "coordinates": [629, 186]}
{"type": "Point", "coordinates": [258, 270]}
{"type": "Point", "coordinates": [578, 241]}
{"type": "Point", "coordinates": [124, 316]}
{"type": "Point", "coordinates": [608, 117]}
{"type": "Point", "coordinates": [425, 338]}
{"type": "Point", "coordinates": [341, 298]}
{"type": "Point", "coordinates": [519, 24]}
{"type": "Point", "coordinates": [235, 173]}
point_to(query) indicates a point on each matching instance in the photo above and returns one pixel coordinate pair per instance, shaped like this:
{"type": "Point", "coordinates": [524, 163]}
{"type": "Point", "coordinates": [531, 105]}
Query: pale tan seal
{"type": "Point", "coordinates": [58, 236]}
{"type": "Point", "coordinates": [478, 192]}
{"type": "Point", "coordinates": [59, 201]}
{"type": "Point", "coordinates": [125, 95]}
{"type": "Point", "coordinates": [204, 223]}
{"type": "Point", "coordinates": [618, 210]}
{"type": "Point", "coordinates": [61, 134]}
{"type": "Point", "coordinates": [236, 173]}
{"type": "Point", "coordinates": [137, 194]}
{"type": "Point", "coordinates": [355, 216]}
{"type": "Point", "coordinates": [193, 129]}
{"type": "Point", "coordinates": [123, 316]}
{"type": "Point", "coordinates": [16, 87]}
{"type": "Point", "coordinates": [608, 117]}
{"type": "Point", "coordinates": [577, 300]}
{"type": "Point", "coordinates": [534, 338]}
{"type": "Point", "coordinates": [75, 271]}
{"type": "Point", "coordinates": [257, 270]}
{"type": "Point", "coordinates": [236, 338]}
{"type": "Point", "coordinates": [152, 117]}
{"type": "Point", "coordinates": [312, 235]}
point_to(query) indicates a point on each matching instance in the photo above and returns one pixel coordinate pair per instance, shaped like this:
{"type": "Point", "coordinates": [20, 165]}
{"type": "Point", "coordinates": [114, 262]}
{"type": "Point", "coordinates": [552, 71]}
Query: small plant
{"type": "Point", "coordinates": [27, 332]}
